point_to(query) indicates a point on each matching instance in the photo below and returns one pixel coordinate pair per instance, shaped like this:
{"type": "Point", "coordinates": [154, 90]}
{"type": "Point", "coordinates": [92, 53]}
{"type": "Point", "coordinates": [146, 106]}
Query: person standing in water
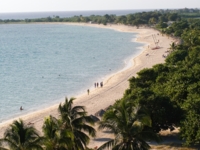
{"type": "Point", "coordinates": [21, 108]}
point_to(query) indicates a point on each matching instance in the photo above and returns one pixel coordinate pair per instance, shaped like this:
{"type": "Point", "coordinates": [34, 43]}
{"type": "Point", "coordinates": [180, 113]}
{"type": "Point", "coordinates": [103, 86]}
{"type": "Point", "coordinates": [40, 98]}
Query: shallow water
{"type": "Point", "coordinates": [40, 64]}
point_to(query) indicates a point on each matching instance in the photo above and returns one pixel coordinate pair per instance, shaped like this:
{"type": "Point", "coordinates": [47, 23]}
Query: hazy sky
{"type": "Point", "coordinates": [70, 5]}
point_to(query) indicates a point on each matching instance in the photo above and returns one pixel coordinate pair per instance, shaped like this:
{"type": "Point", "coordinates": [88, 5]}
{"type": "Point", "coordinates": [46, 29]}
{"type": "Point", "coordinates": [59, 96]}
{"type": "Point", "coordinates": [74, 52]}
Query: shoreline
{"type": "Point", "coordinates": [105, 78]}
{"type": "Point", "coordinates": [80, 92]}
{"type": "Point", "coordinates": [114, 85]}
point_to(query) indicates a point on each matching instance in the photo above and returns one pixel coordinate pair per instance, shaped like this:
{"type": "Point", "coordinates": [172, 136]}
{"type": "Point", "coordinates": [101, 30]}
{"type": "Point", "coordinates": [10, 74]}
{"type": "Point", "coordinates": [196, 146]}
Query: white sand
{"type": "Point", "coordinates": [114, 86]}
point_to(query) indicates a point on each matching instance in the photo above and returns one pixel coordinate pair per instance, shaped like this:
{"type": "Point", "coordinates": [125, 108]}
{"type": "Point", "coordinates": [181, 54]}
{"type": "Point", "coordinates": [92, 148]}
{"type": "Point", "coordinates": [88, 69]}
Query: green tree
{"type": "Point", "coordinates": [178, 27]}
{"type": "Point", "coordinates": [190, 129]}
{"type": "Point", "coordinates": [172, 46]}
{"type": "Point", "coordinates": [76, 120]}
{"type": "Point", "coordinates": [173, 17]}
{"type": "Point", "coordinates": [121, 19]}
{"type": "Point", "coordinates": [138, 22]}
{"type": "Point", "coordinates": [191, 38]}
{"type": "Point", "coordinates": [161, 25]}
{"type": "Point", "coordinates": [130, 19]}
{"type": "Point", "coordinates": [55, 136]}
{"type": "Point", "coordinates": [107, 18]}
{"type": "Point", "coordinates": [163, 19]}
{"type": "Point", "coordinates": [152, 21]}
{"type": "Point", "coordinates": [129, 125]}
{"type": "Point", "coordinates": [176, 56]}
{"type": "Point", "coordinates": [148, 89]}
{"type": "Point", "coordinates": [20, 136]}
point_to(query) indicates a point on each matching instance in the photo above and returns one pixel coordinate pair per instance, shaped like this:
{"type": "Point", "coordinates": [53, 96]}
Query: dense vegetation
{"type": "Point", "coordinates": [144, 18]}
{"type": "Point", "coordinates": [170, 91]}
{"type": "Point", "coordinates": [131, 125]}
{"type": "Point", "coordinates": [169, 95]}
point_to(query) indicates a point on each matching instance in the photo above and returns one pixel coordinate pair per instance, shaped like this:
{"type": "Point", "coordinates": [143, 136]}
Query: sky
{"type": "Point", "coordinates": [75, 5]}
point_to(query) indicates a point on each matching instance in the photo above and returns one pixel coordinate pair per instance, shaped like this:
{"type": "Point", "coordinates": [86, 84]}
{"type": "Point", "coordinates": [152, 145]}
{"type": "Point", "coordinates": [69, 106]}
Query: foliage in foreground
{"type": "Point", "coordinates": [76, 120]}
{"type": "Point", "coordinates": [130, 125]}
{"type": "Point", "coordinates": [71, 131]}
{"type": "Point", "coordinates": [20, 136]}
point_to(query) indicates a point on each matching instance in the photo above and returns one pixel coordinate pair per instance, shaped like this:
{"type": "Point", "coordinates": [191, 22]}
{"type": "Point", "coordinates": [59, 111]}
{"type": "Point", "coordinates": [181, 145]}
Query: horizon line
{"type": "Point", "coordinates": [98, 10]}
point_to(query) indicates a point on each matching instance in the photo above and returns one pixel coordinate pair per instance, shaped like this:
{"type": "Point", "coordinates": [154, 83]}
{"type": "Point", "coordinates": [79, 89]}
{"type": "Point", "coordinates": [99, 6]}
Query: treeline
{"type": "Point", "coordinates": [177, 28]}
{"type": "Point", "coordinates": [180, 11]}
{"type": "Point", "coordinates": [137, 19]}
{"type": "Point", "coordinates": [184, 13]}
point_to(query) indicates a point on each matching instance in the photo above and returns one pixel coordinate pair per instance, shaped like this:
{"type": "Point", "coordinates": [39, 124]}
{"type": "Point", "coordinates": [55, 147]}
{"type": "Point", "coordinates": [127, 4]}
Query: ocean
{"type": "Point", "coordinates": [40, 64]}
{"type": "Point", "coordinates": [66, 14]}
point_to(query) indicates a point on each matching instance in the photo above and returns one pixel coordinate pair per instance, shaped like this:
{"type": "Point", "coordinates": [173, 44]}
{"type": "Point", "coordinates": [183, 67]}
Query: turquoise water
{"type": "Point", "coordinates": [40, 64]}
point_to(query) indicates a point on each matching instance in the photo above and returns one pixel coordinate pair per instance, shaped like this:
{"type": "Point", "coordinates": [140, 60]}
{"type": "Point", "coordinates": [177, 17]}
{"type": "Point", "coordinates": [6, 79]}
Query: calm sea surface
{"type": "Point", "coordinates": [64, 14]}
{"type": "Point", "coordinates": [40, 64]}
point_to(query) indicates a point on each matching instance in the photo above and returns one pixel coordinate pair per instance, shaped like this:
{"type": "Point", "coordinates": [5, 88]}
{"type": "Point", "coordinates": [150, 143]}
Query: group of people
{"type": "Point", "coordinates": [96, 84]}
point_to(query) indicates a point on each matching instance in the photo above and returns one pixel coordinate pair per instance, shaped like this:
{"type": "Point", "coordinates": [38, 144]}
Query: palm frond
{"type": "Point", "coordinates": [107, 145]}
{"type": "Point", "coordinates": [81, 138]}
{"type": "Point", "coordinates": [87, 128]}
{"type": "Point", "coordinates": [128, 123]}
{"type": "Point", "coordinates": [20, 136]}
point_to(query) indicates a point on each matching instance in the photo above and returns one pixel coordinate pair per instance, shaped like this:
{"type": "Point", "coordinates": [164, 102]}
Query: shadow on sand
{"type": "Point", "coordinates": [102, 139]}
{"type": "Point", "coordinates": [168, 139]}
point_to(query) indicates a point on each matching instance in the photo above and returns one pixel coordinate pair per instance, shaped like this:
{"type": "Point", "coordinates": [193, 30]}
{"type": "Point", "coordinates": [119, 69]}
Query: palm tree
{"type": "Point", "coordinates": [55, 136]}
{"type": "Point", "coordinates": [75, 119]}
{"type": "Point", "coordinates": [22, 137]}
{"type": "Point", "coordinates": [173, 47]}
{"type": "Point", "coordinates": [128, 124]}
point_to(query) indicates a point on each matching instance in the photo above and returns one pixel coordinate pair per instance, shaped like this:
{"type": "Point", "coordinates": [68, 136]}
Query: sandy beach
{"type": "Point", "coordinates": [114, 86]}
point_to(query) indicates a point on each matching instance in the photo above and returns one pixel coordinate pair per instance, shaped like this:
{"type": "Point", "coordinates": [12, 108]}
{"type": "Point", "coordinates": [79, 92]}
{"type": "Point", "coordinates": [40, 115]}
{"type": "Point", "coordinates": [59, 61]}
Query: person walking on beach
{"type": "Point", "coordinates": [95, 84]}
{"type": "Point", "coordinates": [88, 91]}
{"type": "Point", "coordinates": [101, 84]}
